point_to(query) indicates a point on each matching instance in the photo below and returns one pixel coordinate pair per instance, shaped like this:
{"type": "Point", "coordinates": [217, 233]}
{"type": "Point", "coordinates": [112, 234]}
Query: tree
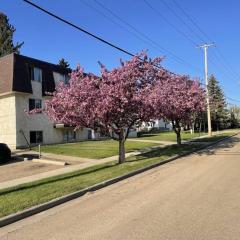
{"type": "Point", "coordinates": [178, 98]}
{"type": "Point", "coordinates": [219, 113]}
{"type": "Point", "coordinates": [112, 103]}
{"type": "Point", "coordinates": [63, 63]}
{"type": "Point", "coordinates": [234, 116]}
{"type": "Point", "coordinates": [6, 37]}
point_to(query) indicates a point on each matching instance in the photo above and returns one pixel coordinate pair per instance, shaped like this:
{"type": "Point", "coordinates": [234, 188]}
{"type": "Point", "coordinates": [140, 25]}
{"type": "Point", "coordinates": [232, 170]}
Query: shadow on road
{"type": "Point", "coordinates": [222, 148]}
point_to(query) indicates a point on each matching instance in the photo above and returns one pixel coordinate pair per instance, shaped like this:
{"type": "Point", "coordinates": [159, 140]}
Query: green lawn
{"type": "Point", "coordinates": [93, 149]}
{"type": "Point", "coordinates": [213, 138]}
{"type": "Point", "coordinates": [25, 196]}
{"type": "Point", "coordinates": [169, 136]}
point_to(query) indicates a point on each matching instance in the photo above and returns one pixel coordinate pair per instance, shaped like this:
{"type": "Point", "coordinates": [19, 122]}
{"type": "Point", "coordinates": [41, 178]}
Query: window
{"type": "Point", "coordinates": [36, 137]}
{"type": "Point", "coordinates": [35, 74]}
{"type": "Point", "coordinates": [60, 77]}
{"type": "Point", "coordinates": [65, 78]}
{"type": "Point", "coordinates": [69, 135]}
{"type": "Point", "coordinates": [35, 104]}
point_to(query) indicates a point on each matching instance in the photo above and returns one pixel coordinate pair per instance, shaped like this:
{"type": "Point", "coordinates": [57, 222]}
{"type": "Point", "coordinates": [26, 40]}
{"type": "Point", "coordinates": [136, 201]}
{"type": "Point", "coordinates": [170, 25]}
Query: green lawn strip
{"type": "Point", "coordinates": [213, 138]}
{"type": "Point", "coordinates": [169, 136]}
{"type": "Point", "coordinates": [93, 149]}
{"type": "Point", "coordinates": [25, 196]}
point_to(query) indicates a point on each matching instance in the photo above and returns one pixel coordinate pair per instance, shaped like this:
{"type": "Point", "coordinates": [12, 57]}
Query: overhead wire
{"type": "Point", "coordinates": [217, 54]}
{"type": "Point", "coordinates": [143, 35]}
{"type": "Point", "coordinates": [91, 34]}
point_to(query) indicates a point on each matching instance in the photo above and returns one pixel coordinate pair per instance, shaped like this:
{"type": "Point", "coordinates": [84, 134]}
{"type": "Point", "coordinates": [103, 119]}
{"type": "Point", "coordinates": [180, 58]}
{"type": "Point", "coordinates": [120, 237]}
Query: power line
{"type": "Point", "coordinates": [182, 21]}
{"type": "Point", "coordinates": [169, 23]}
{"type": "Point", "coordinates": [152, 42]}
{"type": "Point", "coordinates": [232, 99]}
{"type": "Point", "coordinates": [192, 21]}
{"type": "Point", "coordinates": [229, 98]}
{"type": "Point", "coordinates": [116, 23]}
{"type": "Point", "coordinates": [80, 29]}
{"type": "Point", "coordinates": [227, 63]}
{"type": "Point", "coordinates": [93, 35]}
{"type": "Point", "coordinates": [220, 56]}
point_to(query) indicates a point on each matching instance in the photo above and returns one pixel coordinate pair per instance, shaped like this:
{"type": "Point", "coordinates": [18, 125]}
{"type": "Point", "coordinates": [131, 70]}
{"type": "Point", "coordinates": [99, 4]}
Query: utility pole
{"type": "Point", "coordinates": [205, 48]}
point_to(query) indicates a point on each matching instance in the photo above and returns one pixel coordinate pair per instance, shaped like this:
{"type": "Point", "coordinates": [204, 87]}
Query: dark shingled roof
{"type": "Point", "coordinates": [14, 74]}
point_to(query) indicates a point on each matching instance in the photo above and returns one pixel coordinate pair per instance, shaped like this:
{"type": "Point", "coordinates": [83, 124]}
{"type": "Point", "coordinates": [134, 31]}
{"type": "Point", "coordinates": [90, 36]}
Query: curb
{"type": "Point", "coordinates": [55, 202]}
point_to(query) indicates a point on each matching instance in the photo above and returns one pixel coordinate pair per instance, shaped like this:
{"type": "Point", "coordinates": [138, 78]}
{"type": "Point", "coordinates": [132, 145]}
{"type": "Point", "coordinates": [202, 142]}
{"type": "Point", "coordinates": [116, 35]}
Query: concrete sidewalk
{"type": "Point", "coordinates": [67, 169]}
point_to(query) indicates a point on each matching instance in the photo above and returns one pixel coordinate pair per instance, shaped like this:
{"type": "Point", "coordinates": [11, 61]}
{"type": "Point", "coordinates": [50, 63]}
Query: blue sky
{"type": "Point", "coordinates": [48, 39]}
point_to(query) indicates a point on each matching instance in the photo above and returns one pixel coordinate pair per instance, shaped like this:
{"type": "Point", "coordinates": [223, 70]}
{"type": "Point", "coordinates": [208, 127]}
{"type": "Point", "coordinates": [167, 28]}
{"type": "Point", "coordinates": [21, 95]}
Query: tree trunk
{"type": "Point", "coordinates": [200, 127]}
{"type": "Point", "coordinates": [193, 127]}
{"type": "Point", "coordinates": [179, 140]}
{"type": "Point", "coordinates": [177, 130]}
{"type": "Point", "coordinates": [121, 158]}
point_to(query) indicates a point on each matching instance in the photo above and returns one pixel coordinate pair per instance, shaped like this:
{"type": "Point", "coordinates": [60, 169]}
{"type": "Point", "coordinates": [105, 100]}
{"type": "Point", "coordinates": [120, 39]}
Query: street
{"type": "Point", "coordinates": [195, 197]}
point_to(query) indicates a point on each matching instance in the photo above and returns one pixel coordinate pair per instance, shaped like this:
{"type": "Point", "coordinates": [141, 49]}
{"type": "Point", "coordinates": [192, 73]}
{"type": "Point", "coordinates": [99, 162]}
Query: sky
{"type": "Point", "coordinates": [157, 26]}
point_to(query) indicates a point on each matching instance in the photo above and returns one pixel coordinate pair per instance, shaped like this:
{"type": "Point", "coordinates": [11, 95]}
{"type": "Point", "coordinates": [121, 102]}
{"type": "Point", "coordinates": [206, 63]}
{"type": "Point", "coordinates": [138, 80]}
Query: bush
{"type": "Point", "coordinates": [5, 153]}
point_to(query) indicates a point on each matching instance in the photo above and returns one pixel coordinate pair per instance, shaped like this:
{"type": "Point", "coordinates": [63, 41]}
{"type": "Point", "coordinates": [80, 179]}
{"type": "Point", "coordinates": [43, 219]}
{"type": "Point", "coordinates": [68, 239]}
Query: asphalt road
{"type": "Point", "coordinates": [195, 197]}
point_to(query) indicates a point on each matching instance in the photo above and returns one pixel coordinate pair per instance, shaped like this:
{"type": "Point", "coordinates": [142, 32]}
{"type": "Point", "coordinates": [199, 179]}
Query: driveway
{"type": "Point", "coordinates": [196, 197]}
{"type": "Point", "coordinates": [19, 169]}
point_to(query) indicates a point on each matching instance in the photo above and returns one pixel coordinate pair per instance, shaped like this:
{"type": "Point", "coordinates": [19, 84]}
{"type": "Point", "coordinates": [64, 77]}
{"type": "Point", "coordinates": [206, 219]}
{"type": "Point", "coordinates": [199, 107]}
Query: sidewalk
{"type": "Point", "coordinates": [85, 163]}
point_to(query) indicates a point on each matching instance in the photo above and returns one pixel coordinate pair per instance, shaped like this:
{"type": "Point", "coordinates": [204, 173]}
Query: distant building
{"type": "Point", "coordinates": [159, 124]}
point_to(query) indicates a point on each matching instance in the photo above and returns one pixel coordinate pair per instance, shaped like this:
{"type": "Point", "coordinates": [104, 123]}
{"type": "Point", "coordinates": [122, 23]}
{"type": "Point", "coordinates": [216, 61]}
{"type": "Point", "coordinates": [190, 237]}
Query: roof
{"type": "Point", "coordinates": [14, 74]}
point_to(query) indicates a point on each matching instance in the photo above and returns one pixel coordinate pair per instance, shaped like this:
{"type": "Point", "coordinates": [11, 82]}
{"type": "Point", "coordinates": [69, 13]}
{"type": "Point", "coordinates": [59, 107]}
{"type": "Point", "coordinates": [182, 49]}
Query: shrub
{"type": "Point", "coordinates": [5, 153]}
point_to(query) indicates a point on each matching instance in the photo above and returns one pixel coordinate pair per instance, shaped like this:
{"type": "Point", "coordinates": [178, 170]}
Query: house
{"type": "Point", "coordinates": [158, 124]}
{"type": "Point", "coordinates": [162, 125]}
{"type": "Point", "coordinates": [24, 82]}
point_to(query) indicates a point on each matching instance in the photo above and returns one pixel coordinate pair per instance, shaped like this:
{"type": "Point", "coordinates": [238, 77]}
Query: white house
{"type": "Point", "coordinates": [23, 84]}
{"type": "Point", "coordinates": [159, 124]}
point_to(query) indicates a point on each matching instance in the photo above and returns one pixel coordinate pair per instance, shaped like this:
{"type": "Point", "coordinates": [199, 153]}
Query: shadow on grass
{"type": "Point", "coordinates": [167, 152]}
{"type": "Point", "coordinates": [208, 139]}
{"type": "Point", "coordinates": [147, 135]}
{"type": "Point", "coordinates": [52, 180]}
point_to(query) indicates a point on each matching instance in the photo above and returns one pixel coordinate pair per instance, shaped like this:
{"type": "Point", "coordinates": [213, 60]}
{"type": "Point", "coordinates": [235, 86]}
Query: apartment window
{"type": "Point", "coordinates": [35, 104]}
{"type": "Point", "coordinates": [36, 137]}
{"type": "Point", "coordinates": [35, 74]}
{"type": "Point", "coordinates": [69, 135]}
{"type": "Point", "coordinates": [65, 78]}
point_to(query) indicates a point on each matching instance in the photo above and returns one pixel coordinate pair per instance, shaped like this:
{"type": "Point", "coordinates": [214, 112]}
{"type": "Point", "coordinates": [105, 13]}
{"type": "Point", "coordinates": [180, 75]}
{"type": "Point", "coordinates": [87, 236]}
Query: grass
{"type": "Point", "coordinates": [170, 136]}
{"type": "Point", "coordinates": [213, 138]}
{"type": "Point", "coordinates": [186, 135]}
{"type": "Point", "coordinates": [93, 149]}
{"type": "Point", "coordinates": [27, 195]}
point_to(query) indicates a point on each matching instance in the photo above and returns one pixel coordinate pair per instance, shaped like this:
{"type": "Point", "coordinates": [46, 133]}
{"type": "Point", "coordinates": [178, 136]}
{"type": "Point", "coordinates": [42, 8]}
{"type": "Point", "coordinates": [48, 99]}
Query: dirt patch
{"type": "Point", "coordinates": [19, 169]}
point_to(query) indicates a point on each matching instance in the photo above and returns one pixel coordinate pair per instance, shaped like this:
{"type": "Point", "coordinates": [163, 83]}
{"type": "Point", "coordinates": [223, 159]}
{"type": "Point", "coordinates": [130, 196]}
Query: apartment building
{"type": "Point", "coordinates": [24, 82]}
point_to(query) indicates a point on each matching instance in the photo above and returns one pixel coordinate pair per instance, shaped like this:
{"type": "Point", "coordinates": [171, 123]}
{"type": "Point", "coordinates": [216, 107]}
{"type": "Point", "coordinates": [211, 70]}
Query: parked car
{"type": "Point", "coordinates": [5, 153]}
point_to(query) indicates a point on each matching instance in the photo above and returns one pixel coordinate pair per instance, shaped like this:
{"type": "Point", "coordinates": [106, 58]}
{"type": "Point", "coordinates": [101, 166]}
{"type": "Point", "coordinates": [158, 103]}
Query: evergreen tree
{"type": "Point", "coordinates": [219, 113]}
{"type": "Point", "coordinates": [234, 116]}
{"type": "Point", "coordinates": [63, 63]}
{"type": "Point", "coordinates": [6, 37]}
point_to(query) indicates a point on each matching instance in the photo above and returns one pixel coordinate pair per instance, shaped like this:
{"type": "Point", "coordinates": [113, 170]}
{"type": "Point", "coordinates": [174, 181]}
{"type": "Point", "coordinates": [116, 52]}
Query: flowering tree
{"type": "Point", "coordinates": [112, 103]}
{"type": "Point", "coordinates": [178, 98]}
